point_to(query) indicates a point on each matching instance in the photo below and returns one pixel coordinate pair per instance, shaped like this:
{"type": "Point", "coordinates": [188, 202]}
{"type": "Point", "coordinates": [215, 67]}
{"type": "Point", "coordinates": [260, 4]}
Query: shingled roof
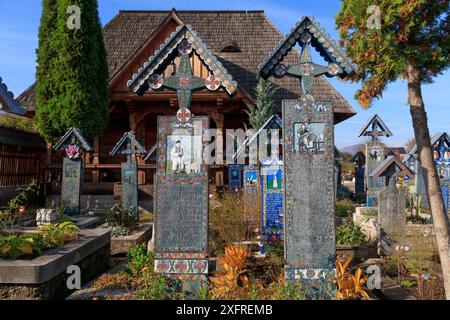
{"type": "Point", "coordinates": [250, 31]}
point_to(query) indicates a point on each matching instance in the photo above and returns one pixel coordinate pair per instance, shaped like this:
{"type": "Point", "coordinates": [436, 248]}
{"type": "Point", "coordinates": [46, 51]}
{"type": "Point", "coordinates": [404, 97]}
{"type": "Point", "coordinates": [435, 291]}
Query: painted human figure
{"type": "Point", "coordinates": [275, 181]}
{"type": "Point", "coordinates": [177, 158]}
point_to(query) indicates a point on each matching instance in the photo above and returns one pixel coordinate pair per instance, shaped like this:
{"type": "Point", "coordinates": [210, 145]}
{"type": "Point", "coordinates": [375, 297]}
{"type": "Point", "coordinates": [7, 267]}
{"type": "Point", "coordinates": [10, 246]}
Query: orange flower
{"type": "Point", "coordinates": [22, 210]}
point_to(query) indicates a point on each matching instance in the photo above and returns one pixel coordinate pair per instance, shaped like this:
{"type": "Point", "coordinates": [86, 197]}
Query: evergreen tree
{"type": "Point", "coordinates": [411, 42]}
{"type": "Point", "coordinates": [72, 75]}
{"type": "Point", "coordinates": [263, 110]}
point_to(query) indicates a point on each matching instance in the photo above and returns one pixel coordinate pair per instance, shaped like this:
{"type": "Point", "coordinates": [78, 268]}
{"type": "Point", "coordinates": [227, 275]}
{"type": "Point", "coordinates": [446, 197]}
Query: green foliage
{"type": "Point", "coordinates": [72, 73]}
{"type": "Point", "coordinates": [416, 219]}
{"type": "Point", "coordinates": [408, 283]}
{"type": "Point", "coordinates": [16, 207]}
{"type": "Point", "coordinates": [263, 110]}
{"type": "Point", "coordinates": [59, 233]}
{"type": "Point", "coordinates": [139, 259]}
{"type": "Point", "coordinates": [344, 208]}
{"type": "Point", "coordinates": [16, 246]}
{"type": "Point", "coordinates": [155, 288]}
{"type": "Point", "coordinates": [412, 32]}
{"type": "Point", "coordinates": [25, 245]}
{"type": "Point", "coordinates": [349, 234]}
{"type": "Point", "coordinates": [121, 220]}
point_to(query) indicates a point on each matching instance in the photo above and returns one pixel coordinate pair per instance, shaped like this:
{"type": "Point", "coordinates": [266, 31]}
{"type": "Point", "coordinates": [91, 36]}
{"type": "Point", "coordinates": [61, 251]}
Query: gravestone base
{"type": "Point", "coordinates": [318, 284]}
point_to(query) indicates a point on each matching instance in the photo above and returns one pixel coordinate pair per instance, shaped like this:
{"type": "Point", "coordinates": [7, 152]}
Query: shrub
{"type": "Point", "coordinates": [121, 220]}
{"type": "Point", "coordinates": [59, 234]}
{"type": "Point", "coordinates": [233, 278]}
{"type": "Point", "coordinates": [16, 246]}
{"type": "Point", "coordinates": [226, 221]}
{"type": "Point", "coordinates": [139, 260]}
{"type": "Point", "coordinates": [349, 286]}
{"type": "Point", "coordinates": [350, 234]}
{"type": "Point", "coordinates": [48, 237]}
{"type": "Point", "coordinates": [344, 208]}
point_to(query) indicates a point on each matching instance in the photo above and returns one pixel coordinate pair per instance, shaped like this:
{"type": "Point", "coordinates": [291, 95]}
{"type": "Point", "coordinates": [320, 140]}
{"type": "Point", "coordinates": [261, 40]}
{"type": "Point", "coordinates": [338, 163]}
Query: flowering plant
{"type": "Point", "coordinates": [73, 152]}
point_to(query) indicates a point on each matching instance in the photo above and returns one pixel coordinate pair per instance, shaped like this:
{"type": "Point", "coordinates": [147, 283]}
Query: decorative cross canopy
{"type": "Point", "coordinates": [7, 101]}
{"type": "Point", "coordinates": [183, 41]}
{"type": "Point", "coordinates": [274, 122]}
{"type": "Point", "coordinates": [73, 137]}
{"type": "Point", "coordinates": [375, 128]}
{"type": "Point", "coordinates": [307, 31]}
{"type": "Point", "coordinates": [387, 167]}
{"type": "Point", "coordinates": [127, 145]}
{"type": "Point", "coordinates": [151, 154]}
{"type": "Point", "coordinates": [441, 148]}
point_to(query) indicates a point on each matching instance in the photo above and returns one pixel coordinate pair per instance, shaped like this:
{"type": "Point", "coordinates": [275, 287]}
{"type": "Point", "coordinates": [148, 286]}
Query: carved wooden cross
{"type": "Point", "coordinates": [184, 82]}
{"type": "Point", "coordinates": [306, 70]}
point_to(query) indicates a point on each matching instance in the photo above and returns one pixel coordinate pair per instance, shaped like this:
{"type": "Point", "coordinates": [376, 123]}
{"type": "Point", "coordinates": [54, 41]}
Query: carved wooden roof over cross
{"type": "Point", "coordinates": [307, 31]}
{"type": "Point", "coordinates": [73, 136]}
{"type": "Point", "coordinates": [182, 41]}
{"type": "Point", "coordinates": [274, 122]}
{"type": "Point", "coordinates": [384, 167]}
{"type": "Point", "coordinates": [127, 145]}
{"type": "Point", "coordinates": [440, 136]}
{"type": "Point", "coordinates": [375, 128]}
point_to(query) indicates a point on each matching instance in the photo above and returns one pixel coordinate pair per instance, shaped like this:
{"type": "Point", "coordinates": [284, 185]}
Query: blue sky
{"type": "Point", "coordinates": [18, 41]}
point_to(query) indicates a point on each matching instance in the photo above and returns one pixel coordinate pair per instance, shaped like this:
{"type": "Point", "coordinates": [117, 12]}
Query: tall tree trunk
{"type": "Point", "coordinates": [430, 175]}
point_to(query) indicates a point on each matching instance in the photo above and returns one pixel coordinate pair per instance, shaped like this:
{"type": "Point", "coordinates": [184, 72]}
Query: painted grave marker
{"type": "Point", "coordinates": [129, 146]}
{"type": "Point", "coordinates": [308, 154]}
{"type": "Point", "coordinates": [375, 154]}
{"type": "Point", "coordinates": [74, 144]}
{"type": "Point", "coordinates": [391, 217]}
{"type": "Point", "coordinates": [271, 202]}
{"type": "Point", "coordinates": [234, 177]}
{"type": "Point", "coordinates": [182, 178]}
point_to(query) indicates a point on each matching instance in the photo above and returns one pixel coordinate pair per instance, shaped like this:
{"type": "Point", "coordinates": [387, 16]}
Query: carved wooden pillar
{"type": "Point", "coordinates": [96, 161]}
{"type": "Point", "coordinates": [136, 122]}
{"type": "Point", "coordinates": [219, 120]}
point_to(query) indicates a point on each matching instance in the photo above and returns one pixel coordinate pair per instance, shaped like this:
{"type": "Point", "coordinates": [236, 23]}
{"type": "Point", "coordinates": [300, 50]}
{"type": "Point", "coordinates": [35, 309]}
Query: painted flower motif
{"type": "Point", "coordinates": [155, 81]}
{"type": "Point", "coordinates": [280, 70]}
{"type": "Point", "coordinates": [73, 152]}
{"type": "Point", "coordinates": [212, 83]}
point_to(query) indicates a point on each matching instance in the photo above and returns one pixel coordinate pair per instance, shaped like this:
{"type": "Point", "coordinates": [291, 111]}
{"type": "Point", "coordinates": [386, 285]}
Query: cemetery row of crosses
{"type": "Point", "coordinates": [308, 218]}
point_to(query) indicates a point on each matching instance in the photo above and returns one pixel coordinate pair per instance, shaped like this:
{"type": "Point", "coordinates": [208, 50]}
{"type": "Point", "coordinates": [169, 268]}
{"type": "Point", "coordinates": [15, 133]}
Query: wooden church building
{"type": "Point", "coordinates": [237, 42]}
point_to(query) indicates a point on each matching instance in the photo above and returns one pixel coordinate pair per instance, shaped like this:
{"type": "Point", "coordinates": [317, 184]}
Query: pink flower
{"type": "Point", "coordinates": [73, 152]}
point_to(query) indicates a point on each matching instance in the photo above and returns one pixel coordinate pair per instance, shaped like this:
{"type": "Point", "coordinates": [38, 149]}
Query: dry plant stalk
{"type": "Point", "coordinates": [232, 279]}
{"type": "Point", "coordinates": [350, 287]}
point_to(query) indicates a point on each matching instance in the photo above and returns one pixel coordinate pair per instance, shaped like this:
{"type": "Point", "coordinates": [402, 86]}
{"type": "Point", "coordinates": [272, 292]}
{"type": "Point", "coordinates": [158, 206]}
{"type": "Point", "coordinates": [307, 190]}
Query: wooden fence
{"type": "Point", "coordinates": [19, 166]}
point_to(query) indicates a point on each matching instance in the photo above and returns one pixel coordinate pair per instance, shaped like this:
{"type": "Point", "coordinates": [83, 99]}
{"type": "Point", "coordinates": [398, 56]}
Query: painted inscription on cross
{"type": "Point", "coordinates": [184, 82]}
{"type": "Point", "coordinates": [306, 70]}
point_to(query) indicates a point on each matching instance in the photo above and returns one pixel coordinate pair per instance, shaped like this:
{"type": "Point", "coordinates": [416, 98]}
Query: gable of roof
{"type": "Point", "coordinates": [128, 137]}
{"type": "Point", "coordinates": [375, 120]}
{"type": "Point", "coordinates": [164, 55]}
{"type": "Point", "coordinates": [7, 101]}
{"type": "Point", "coordinates": [392, 160]}
{"type": "Point", "coordinates": [321, 41]}
{"type": "Point", "coordinates": [251, 31]}
{"type": "Point", "coordinates": [438, 136]}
